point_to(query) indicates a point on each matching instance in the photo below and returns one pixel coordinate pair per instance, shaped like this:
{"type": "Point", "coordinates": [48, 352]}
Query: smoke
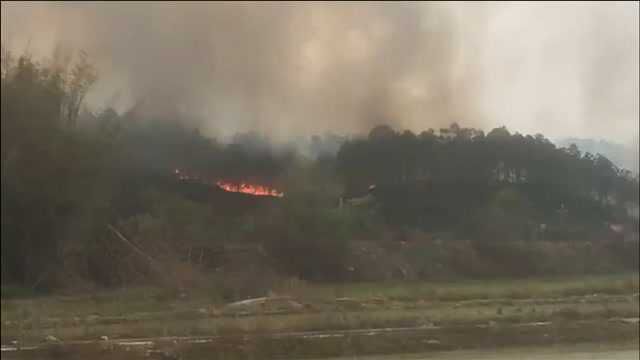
{"type": "Point", "coordinates": [300, 68]}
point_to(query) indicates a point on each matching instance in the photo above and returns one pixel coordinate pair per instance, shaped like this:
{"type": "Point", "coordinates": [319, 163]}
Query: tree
{"type": "Point", "coordinates": [381, 132]}
{"type": "Point", "coordinates": [83, 75]}
{"type": "Point", "coordinates": [465, 168]}
{"type": "Point", "coordinates": [45, 163]}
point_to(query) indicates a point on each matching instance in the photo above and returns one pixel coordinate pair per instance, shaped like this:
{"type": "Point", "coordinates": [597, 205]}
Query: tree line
{"type": "Point", "coordinates": [75, 182]}
{"type": "Point", "coordinates": [455, 170]}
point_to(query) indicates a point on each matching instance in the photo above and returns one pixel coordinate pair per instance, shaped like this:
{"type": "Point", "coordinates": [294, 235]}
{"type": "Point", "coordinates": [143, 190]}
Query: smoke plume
{"type": "Point", "coordinates": [286, 69]}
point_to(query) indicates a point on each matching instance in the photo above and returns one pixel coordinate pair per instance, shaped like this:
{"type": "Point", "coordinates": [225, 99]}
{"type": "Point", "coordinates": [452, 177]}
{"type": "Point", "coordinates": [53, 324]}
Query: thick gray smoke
{"type": "Point", "coordinates": [301, 68]}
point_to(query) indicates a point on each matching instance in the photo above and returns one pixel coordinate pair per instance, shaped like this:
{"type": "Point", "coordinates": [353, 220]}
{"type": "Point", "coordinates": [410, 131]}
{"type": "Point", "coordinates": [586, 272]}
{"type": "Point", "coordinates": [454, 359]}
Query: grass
{"type": "Point", "coordinates": [491, 289]}
{"type": "Point", "coordinates": [155, 300]}
{"type": "Point", "coordinates": [141, 302]}
{"type": "Point", "coordinates": [156, 312]}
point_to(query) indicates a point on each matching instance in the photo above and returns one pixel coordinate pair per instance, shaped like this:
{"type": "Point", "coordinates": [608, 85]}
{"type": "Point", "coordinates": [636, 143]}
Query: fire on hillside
{"type": "Point", "coordinates": [251, 189]}
{"type": "Point", "coordinates": [244, 187]}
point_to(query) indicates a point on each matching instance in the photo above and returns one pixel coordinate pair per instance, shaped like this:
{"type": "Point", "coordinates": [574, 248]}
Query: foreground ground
{"type": "Point", "coordinates": [329, 320]}
{"type": "Point", "coordinates": [619, 351]}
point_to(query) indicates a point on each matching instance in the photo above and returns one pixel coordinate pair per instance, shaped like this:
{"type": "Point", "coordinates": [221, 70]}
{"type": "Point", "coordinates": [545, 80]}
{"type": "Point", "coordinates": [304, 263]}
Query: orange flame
{"type": "Point", "coordinates": [252, 189]}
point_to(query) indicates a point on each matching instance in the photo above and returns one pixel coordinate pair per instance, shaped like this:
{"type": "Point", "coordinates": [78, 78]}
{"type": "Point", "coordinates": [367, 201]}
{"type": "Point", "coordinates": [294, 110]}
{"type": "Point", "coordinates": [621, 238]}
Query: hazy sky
{"type": "Point", "coordinates": [563, 69]}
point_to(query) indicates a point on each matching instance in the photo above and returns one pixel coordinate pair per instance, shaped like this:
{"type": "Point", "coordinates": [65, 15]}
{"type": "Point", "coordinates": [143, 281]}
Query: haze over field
{"type": "Point", "coordinates": [563, 69]}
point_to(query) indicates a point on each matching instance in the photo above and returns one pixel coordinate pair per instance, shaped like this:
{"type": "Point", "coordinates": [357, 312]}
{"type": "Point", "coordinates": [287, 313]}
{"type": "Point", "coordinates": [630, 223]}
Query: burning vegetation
{"type": "Point", "coordinates": [251, 189]}
{"type": "Point", "coordinates": [244, 187]}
